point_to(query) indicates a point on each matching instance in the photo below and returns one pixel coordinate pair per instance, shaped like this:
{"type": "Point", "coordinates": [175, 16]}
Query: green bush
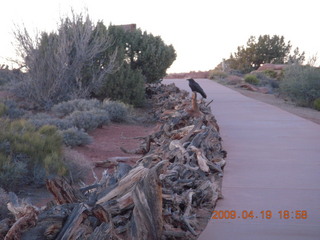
{"type": "Point", "coordinates": [89, 120]}
{"type": "Point", "coordinates": [126, 85]}
{"type": "Point", "coordinates": [117, 111]}
{"type": "Point", "coordinates": [215, 74]}
{"type": "Point", "coordinates": [252, 79]}
{"type": "Point", "coordinates": [143, 52]}
{"type": "Point", "coordinates": [301, 84]}
{"type": "Point", "coordinates": [12, 172]}
{"type": "Point", "coordinates": [28, 154]}
{"type": "Point", "coordinates": [316, 104]}
{"type": "Point", "coordinates": [5, 74]}
{"type": "Point", "coordinates": [65, 108]}
{"type": "Point", "coordinates": [271, 73]}
{"type": "Point", "coordinates": [11, 110]}
{"type": "Point", "coordinates": [3, 109]}
{"type": "Point", "coordinates": [78, 164]}
{"type": "Point", "coordinates": [61, 124]}
{"type": "Point", "coordinates": [4, 199]}
{"type": "Point", "coordinates": [75, 137]}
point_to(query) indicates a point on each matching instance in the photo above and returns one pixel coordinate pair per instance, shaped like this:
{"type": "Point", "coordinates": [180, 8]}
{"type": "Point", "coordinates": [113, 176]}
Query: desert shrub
{"type": "Point", "coordinates": [126, 85]}
{"type": "Point", "coordinates": [301, 84]}
{"type": "Point", "coordinates": [61, 124]}
{"type": "Point", "coordinates": [89, 120]}
{"type": "Point", "coordinates": [316, 104]}
{"type": "Point", "coordinates": [215, 74]}
{"type": "Point", "coordinates": [79, 166]}
{"type": "Point", "coordinates": [67, 107]}
{"type": "Point", "coordinates": [266, 81]}
{"type": "Point", "coordinates": [75, 137]}
{"type": "Point", "coordinates": [271, 73]}
{"type": "Point", "coordinates": [5, 74]}
{"type": "Point", "coordinates": [2, 109]}
{"type": "Point", "coordinates": [12, 172]}
{"type": "Point", "coordinates": [252, 79]}
{"type": "Point", "coordinates": [28, 153]}
{"type": "Point", "coordinates": [4, 199]}
{"type": "Point", "coordinates": [11, 110]}
{"type": "Point", "coordinates": [65, 64]}
{"type": "Point", "coordinates": [42, 119]}
{"type": "Point", "coordinates": [233, 80]}
{"type": "Point", "coordinates": [117, 111]}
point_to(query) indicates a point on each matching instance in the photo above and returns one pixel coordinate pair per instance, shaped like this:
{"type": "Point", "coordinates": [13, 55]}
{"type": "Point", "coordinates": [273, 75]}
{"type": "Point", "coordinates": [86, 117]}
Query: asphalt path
{"type": "Point", "coordinates": [271, 182]}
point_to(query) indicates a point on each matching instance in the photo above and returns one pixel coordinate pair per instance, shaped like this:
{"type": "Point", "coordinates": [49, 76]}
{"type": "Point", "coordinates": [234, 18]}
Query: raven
{"type": "Point", "coordinates": [195, 87]}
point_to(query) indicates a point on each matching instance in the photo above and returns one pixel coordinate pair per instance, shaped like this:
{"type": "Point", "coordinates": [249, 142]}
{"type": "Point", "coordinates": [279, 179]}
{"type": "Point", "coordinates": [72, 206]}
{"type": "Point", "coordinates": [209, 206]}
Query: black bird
{"type": "Point", "coordinates": [195, 87]}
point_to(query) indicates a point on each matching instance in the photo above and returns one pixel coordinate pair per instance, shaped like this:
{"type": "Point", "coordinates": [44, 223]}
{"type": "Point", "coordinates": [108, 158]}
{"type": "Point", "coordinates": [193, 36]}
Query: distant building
{"type": "Point", "coordinates": [128, 27]}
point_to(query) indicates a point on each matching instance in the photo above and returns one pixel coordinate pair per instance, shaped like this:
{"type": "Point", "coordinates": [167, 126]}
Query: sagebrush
{"type": "Point", "coordinates": [66, 64]}
{"type": "Point", "coordinates": [27, 154]}
{"type": "Point", "coordinates": [75, 137]}
{"type": "Point", "coordinates": [301, 84]}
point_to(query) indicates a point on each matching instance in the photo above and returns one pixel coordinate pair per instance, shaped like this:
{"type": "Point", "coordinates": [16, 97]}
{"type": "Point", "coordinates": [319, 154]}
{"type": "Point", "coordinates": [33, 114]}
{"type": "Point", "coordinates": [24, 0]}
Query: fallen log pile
{"type": "Point", "coordinates": [170, 193]}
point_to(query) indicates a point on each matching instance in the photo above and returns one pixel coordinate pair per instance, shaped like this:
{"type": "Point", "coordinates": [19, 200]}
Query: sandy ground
{"type": "Point", "coordinates": [107, 142]}
{"type": "Point", "coordinates": [307, 113]}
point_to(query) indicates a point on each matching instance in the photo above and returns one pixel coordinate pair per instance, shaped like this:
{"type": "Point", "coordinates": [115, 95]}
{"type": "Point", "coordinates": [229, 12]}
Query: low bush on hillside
{"type": "Point", "coordinates": [301, 84]}
{"type": "Point", "coordinates": [271, 73]}
{"type": "Point", "coordinates": [316, 104]}
{"type": "Point", "coordinates": [252, 79]}
{"type": "Point", "coordinates": [215, 74]}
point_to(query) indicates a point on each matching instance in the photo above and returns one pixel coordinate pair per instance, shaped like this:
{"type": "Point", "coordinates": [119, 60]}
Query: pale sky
{"type": "Point", "coordinates": [201, 31]}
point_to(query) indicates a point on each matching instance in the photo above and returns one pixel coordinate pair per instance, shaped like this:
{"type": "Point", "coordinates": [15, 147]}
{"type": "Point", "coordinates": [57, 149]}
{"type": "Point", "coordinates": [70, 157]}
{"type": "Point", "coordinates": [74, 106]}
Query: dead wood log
{"type": "Point", "coordinates": [5, 226]}
{"type": "Point", "coordinates": [125, 184]}
{"type": "Point", "coordinates": [26, 217]}
{"type": "Point", "coordinates": [147, 198]}
{"type": "Point", "coordinates": [72, 223]}
{"type": "Point", "coordinates": [113, 161]}
{"type": "Point", "coordinates": [202, 160]}
{"type": "Point", "coordinates": [186, 214]}
{"type": "Point", "coordinates": [104, 232]}
{"type": "Point", "coordinates": [63, 192]}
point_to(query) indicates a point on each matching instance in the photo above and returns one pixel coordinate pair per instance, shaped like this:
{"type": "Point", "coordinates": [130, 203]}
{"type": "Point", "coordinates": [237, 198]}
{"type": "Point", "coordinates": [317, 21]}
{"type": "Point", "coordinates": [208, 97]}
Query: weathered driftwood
{"type": "Point", "coordinates": [25, 214]}
{"type": "Point", "coordinates": [169, 193]}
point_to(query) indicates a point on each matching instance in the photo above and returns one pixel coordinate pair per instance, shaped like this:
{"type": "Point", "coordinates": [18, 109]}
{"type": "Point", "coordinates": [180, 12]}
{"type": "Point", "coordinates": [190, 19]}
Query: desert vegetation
{"type": "Point", "coordinates": [82, 59]}
{"type": "Point", "coordinates": [67, 83]}
{"type": "Point", "coordinates": [302, 85]}
{"type": "Point", "coordinates": [32, 144]}
{"type": "Point", "coordinates": [268, 65]}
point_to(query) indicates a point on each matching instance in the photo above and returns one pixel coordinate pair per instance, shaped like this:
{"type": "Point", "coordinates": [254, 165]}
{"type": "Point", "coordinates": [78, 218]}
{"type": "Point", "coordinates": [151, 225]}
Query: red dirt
{"type": "Point", "coordinates": [108, 140]}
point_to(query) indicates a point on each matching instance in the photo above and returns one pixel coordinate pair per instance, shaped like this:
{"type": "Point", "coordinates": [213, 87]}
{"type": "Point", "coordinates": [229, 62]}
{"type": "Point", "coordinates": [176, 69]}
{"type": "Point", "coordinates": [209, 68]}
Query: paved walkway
{"type": "Point", "coordinates": [273, 164]}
